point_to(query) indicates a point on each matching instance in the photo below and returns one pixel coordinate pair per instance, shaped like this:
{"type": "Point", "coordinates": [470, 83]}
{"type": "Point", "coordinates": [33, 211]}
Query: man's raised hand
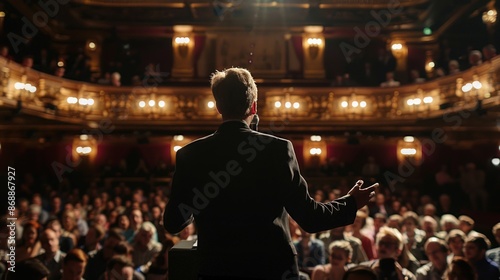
{"type": "Point", "coordinates": [363, 195]}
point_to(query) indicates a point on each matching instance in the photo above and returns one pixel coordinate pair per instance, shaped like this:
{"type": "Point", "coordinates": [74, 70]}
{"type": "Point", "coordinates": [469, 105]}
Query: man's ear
{"type": "Point", "coordinates": [253, 110]}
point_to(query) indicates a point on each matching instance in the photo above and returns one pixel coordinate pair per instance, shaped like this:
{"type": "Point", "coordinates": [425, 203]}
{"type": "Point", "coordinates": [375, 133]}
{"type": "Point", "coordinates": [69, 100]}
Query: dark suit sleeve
{"type": "Point", "coordinates": [179, 211]}
{"type": "Point", "coordinates": [312, 216]}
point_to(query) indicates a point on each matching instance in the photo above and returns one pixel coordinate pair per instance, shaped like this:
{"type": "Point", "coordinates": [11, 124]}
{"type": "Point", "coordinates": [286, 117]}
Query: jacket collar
{"type": "Point", "coordinates": [232, 126]}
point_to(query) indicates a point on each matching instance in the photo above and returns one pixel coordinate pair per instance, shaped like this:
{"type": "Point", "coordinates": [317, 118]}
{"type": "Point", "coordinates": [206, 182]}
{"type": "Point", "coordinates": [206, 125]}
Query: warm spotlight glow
{"type": "Point", "coordinates": [182, 40]}
{"type": "Point", "coordinates": [355, 104]}
{"type": "Point", "coordinates": [19, 85]}
{"type": "Point", "coordinates": [431, 64]}
{"type": "Point", "coordinates": [60, 63]}
{"type": "Point", "coordinates": [315, 151]}
{"type": "Point", "coordinates": [296, 105]}
{"type": "Point", "coordinates": [314, 41]}
{"type": "Point", "coordinates": [151, 103]}
{"type": "Point", "coordinates": [288, 104]}
{"type": "Point", "coordinates": [344, 104]}
{"type": "Point", "coordinates": [409, 139]}
{"type": "Point", "coordinates": [72, 100]}
{"type": "Point", "coordinates": [161, 104]}
{"type": "Point", "coordinates": [176, 148]}
{"type": "Point", "coordinates": [477, 84]}
{"type": "Point", "coordinates": [277, 104]}
{"type": "Point", "coordinates": [83, 101]}
{"type": "Point", "coordinates": [178, 137]}
{"type": "Point", "coordinates": [495, 161]}
{"type": "Point", "coordinates": [2, 14]}
{"type": "Point", "coordinates": [409, 102]}
{"type": "Point", "coordinates": [362, 104]}
{"type": "Point", "coordinates": [315, 138]}
{"type": "Point", "coordinates": [417, 101]}
{"type": "Point", "coordinates": [83, 150]}
{"type": "Point", "coordinates": [92, 45]}
{"type": "Point", "coordinates": [408, 151]}
{"type": "Point", "coordinates": [211, 104]}
{"type": "Point", "coordinates": [84, 137]}
{"type": "Point", "coordinates": [428, 100]}
{"type": "Point", "coordinates": [467, 87]}
{"type": "Point", "coordinates": [142, 104]}
{"type": "Point", "coordinates": [397, 46]}
{"type": "Point", "coordinates": [90, 101]}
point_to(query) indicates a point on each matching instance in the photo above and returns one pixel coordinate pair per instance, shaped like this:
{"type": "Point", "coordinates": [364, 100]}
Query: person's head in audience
{"type": "Point", "coordinates": [429, 225]}
{"type": "Point", "coordinates": [34, 212]}
{"type": "Point", "coordinates": [360, 272]}
{"type": "Point", "coordinates": [50, 241]}
{"type": "Point", "coordinates": [145, 234]}
{"type": "Point", "coordinates": [119, 268]}
{"type": "Point", "coordinates": [466, 224]}
{"type": "Point", "coordinates": [340, 253]}
{"type": "Point", "coordinates": [115, 79]}
{"type": "Point", "coordinates": [410, 222]}
{"type": "Point", "coordinates": [337, 233]}
{"type": "Point", "coordinates": [4, 51]}
{"type": "Point", "coordinates": [123, 248]}
{"type": "Point", "coordinates": [32, 269]}
{"type": "Point", "coordinates": [59, 72]}
{"type": "Point", "coordinates": [437, 251]}
{"type": "Point", "coordinates": [136, 219]}
{"type": "Point", "coordinates": [94, 235]}
{"type": "Point", "coordinates": [114, 237]}
{"type": "Point", "coordinates": [489, 51]}
{"type": "Point", "coordinates": [27, 61]}
{"type": "Point", "coordinates": [156, 213]}
{"type": "Point", "coordinates": [74, 264]}
{"type": "Point", "coordinates": [68, 220]}
{"type": "Point", "coordinates": [456, 240]}
{"type": "Point", "coordinates": [460, 269]}
{"type": "Point", "coordinates": [101, 220]}
{"type": "Point", "coordinates": [389, 243]}
{"type": "Point", "coordinates": [380, 199]}
{"type": "Point", "coordinates": [453, 67]}
{"type": "Point", "coordinates": [30, 233]}
{"type": "Point", "coordinates": [475, 247]}
{"type": "Point", "coordinates": [475, 58]}
{"type": "Point", "coordinates": [123, 221]}
{"type": "Point", "coordinates": [55, 204]}
{"type": "Point", "coordinates": [429, 210]}
{"type": "Point", "coordinates": [97, 205]}
{"type": "Point", "coordinates": [448, 222]}
{"type": "Point", "coordinates": [496, 232]}
{"type": "Point", "coordinates": [113, 217]}
{"type": "Point", "coordinates": [395, 221]}
{"type": "Point", "coordinates": [379, 220]}
{"type": "Point", "coordinates": [55, 225]}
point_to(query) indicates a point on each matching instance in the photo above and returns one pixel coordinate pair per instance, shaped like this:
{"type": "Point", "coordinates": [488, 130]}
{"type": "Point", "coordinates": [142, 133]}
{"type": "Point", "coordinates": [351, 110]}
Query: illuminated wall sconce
{"type": "Point", "coordinates": [91, 46]}
{"type": "Point", "coordinates": [25, 91]}
{"type": "Point", "coordinates": [409, 148]}
{"type": "Point", "coordinates": [84, 146]}
{"type": "Point", "coordinates": [495, 162]}
{"type": "Point", "coordinates": [353, 105]}
{"type": "Point", "coordinates": [314, 45]}
{"type": "Point", "coordinates": [398, 49]}
{"type": "Point", "coordinates": [211, 104]}
{"type": "Point", "coordinates": [182, 45]}
{"type": "Point", "coordinates": [314, 151]}
{"type": "Point", "coordinates": [490, 17]}
{"type": "Point", "coordinates": [178, 141]}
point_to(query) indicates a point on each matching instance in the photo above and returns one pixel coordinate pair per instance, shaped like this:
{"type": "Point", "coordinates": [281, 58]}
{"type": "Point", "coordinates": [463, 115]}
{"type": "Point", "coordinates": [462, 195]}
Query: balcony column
{"type": "Point", "coordinates": [183, 48]}
{"type": "Point", "coordinates": [313, 43]}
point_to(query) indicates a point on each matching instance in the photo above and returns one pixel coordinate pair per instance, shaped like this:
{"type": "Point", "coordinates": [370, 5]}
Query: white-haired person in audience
{"type": "Point", "coordinates": [448, 223]}
{"type": "Point", "coordinates": [455, 240]}
{"type": "Point", "coordinates": [475, 252]}
{"type": "Point", "coordinates": [436, 251]}
{"type": "Point", "coordinates": [145, 248]}
{"type": "Point", "coordinates": [429, 225]}
{"type": "Point", "coordinates": [340, 253]}
{"type": "Point", "coordinates": [494, 254]}
{"type": "Point", "coordinates": [466, 224]}
{"type": "Point", "coordinates": [358, 254]}
{"type": "Point", "coordinates": [389, 244]}
{"type": "Point", "coordinates": [453, 67]}
{"type": "Point", "coordinates": [413, 236]}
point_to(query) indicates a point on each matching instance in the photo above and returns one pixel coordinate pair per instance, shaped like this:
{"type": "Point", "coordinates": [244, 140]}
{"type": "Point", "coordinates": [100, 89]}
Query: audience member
{"type": "Point", "coordinates": [390, 81]}
{"type": "Point", "coordinates": [436, 251]}
{"type": "Point", "coordinates": [460, 269]}
{"type": "Point", "coordinates": [52, 257]}
{"type": "Point", "coordinates": [29, 245]}
{"type": "Point", "coordinates": [475, 58]}
{"type": "Point", "coordinates": [455, 240]}
{"type": "Point", "coordinates": [340, 253]}
{"type": "Point", "coordinates": [335, 234]}
{"type": "Point", "coordinates": [489, 51]}
{"type": "Point", "coordinates": [494, 254]}
{"type": "Point", "coordinates": [145, 248]}
{"type": "Point", "coordinates": [74, 265]}
{"type": "Point", "coordinates": [475, 252]}
{"type": "Point", "coordinates": [466, 224]}
{"type": "Point", "coordinates": [32, 269]}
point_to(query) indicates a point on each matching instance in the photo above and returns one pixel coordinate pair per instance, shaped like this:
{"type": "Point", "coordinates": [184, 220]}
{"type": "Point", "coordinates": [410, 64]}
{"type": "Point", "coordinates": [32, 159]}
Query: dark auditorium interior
{"type": "Point", "coordinates": [96, 97]}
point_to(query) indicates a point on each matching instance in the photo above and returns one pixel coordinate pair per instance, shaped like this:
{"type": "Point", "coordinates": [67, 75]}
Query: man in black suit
{"type": "Point", "coordinates": [239, 186]}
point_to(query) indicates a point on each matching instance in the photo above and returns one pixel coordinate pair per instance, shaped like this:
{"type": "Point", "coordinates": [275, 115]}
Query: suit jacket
{"type": "Point", "coordinates": [239, 185]}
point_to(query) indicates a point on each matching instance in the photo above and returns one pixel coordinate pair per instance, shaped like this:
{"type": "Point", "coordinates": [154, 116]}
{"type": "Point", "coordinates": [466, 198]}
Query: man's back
{"type": "Point", "coordinates": [237, 183]}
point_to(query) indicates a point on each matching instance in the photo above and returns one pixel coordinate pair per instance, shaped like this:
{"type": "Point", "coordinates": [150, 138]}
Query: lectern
{"type": "Point", "coordinates": [183, 261]}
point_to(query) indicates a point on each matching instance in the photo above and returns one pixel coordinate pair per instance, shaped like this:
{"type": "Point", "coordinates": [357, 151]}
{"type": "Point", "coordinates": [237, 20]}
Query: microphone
{"type": "Point", "coordinates": [254, 124]}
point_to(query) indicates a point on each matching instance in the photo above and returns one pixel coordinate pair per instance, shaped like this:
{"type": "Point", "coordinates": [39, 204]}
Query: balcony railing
{"type": "Point", "coordinates": [49, 97]}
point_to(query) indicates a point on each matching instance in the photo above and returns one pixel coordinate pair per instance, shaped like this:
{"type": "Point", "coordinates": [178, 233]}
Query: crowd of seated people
{"type": "Point", "coordinates": [118, 230]}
